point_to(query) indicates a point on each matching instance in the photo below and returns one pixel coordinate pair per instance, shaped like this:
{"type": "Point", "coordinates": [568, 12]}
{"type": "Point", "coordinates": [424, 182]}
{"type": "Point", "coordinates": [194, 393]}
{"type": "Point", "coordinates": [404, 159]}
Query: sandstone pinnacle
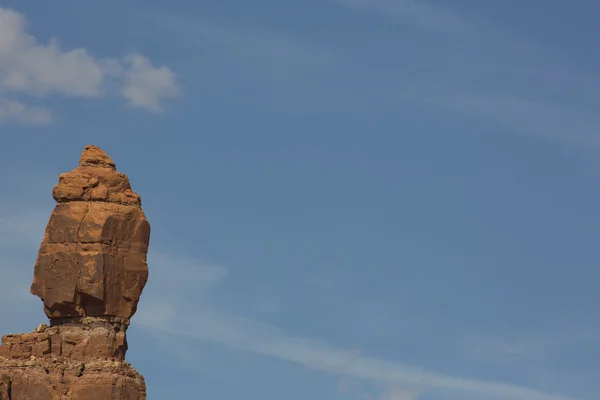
{"type": "Point", "coordinates": [90, 273]}
{"type": "Point", "coordinates": [92, 260]}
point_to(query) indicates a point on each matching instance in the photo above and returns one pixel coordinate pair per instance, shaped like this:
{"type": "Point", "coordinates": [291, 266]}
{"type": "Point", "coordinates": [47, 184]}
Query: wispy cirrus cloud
{"type": "Point", "coordinates": [212, 324]}
{"type": "Point", "coordinates": [268, 54]}
{"type": "Point", "coordinates": [410, 11]}
{"type": "Point", "coordinates": [527, 346]}
{"type": "Point", "coordinates": [353, 388]}
{"type": "Point", "coordinates": [528, 117]}
{"type": "Point", "coordinates": [217, 326]}
{"type": "Point", "coordinates": [399, 394]}
{"type": "Point", "coordinates": [13, 110]}
{"type": "Point", "coordinates": [31, 68]}
{"type": "Point", "coordinates": [528, 87]}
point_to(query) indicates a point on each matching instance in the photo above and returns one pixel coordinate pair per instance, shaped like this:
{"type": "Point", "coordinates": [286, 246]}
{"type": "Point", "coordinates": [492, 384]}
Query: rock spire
{"type": "Point", "coordinates": [92, 261]}
{"type": "Point", "coordinates": [90, 273]}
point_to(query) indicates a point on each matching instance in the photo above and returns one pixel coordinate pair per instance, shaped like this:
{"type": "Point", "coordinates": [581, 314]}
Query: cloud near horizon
{"type": "Point", "coordinates": [32, 69]}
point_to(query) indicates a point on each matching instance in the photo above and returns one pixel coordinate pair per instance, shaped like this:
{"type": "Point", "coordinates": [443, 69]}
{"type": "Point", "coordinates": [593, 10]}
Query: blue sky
{"type": "Point", "coordinates": [349, 199]}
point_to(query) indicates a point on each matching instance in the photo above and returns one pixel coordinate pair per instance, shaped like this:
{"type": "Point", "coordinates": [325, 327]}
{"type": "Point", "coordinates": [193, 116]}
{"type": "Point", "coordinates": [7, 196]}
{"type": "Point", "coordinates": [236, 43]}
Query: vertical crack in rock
{"type": "Point", "coordinates": [77, 260]}
{"type": "Point", "coordinates": [90, 273]}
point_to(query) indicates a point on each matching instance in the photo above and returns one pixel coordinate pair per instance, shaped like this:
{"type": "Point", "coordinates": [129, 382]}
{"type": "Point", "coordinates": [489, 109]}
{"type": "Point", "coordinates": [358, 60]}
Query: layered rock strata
{"type": "Point", "coordinates": [90, 273]}
{"type": "Point", "coordinates": [68, 362]}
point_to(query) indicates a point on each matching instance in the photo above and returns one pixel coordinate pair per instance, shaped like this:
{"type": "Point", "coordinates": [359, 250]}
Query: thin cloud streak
{"type": "Point", "coordinates": [392, 392]}
{"type": "Point", "coordinates": [542, 92]}
{"type": "Point", "coordinates": [12, 110]}
{"type": "Point", "coordinates": [529, 117]}
{"type": "Point", "coordinates": [260, 338]}
{"type": "Point", "coordinates": [410, 11]}
{"type": "Point", "coordinates": [269, 54]}
{"type": "Point", "coordinates": [211, 324]}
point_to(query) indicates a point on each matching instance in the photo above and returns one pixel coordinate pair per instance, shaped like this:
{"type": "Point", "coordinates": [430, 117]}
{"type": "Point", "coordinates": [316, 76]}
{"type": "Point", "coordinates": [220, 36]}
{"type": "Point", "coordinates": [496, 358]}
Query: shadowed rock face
{"type": "Point", "coordinates": [92, 261]}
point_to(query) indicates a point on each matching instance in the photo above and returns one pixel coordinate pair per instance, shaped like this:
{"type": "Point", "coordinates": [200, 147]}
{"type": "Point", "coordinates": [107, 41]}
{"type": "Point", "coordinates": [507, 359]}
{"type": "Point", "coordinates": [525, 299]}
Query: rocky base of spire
{"type": "Point", "coordinates": [59, 378]}
{"type": "Point", "coordinates": [73, 361]}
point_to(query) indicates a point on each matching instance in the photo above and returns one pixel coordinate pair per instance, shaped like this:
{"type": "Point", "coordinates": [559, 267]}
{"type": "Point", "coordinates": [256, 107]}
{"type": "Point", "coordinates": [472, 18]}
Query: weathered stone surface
{"type": "Point", "coordinates": [92, 260]}
{"type": "Point", "coordinates": [90, 273]}
{"type": "Point", "coordinates": [78, 341]}
{"type": "Point", "coordinates": [66, 379]}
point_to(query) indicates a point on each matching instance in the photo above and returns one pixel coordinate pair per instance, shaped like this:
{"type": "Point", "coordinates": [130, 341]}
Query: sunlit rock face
{"type": "Point", "coordinates": [92, 261]}
{"type": "Point", "coordinates": [90, 273]}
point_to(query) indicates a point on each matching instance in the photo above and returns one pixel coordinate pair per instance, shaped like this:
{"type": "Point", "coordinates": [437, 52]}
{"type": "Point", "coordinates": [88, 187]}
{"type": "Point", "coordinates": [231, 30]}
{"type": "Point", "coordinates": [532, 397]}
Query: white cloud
{"type": "Point", "coordinates": [17, 111]}
{"type": "Point", "coordinates": [145, 85]}
{"type": "Point", "coordinates": [28, 67]}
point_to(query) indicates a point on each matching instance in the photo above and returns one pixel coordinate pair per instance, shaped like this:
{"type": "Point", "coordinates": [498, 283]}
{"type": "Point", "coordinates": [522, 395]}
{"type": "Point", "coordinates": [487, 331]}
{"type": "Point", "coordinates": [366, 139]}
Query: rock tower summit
{"type": "Point", "coordinates": [90, 273]}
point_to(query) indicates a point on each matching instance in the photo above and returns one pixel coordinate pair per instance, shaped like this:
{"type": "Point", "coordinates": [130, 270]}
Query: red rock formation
{"type": "Point", "coordinates": [68, 362]}
{"type": "Point", "coordinates": [90, 273]}
{"type": "Point", "coordinates": [92, 261]}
